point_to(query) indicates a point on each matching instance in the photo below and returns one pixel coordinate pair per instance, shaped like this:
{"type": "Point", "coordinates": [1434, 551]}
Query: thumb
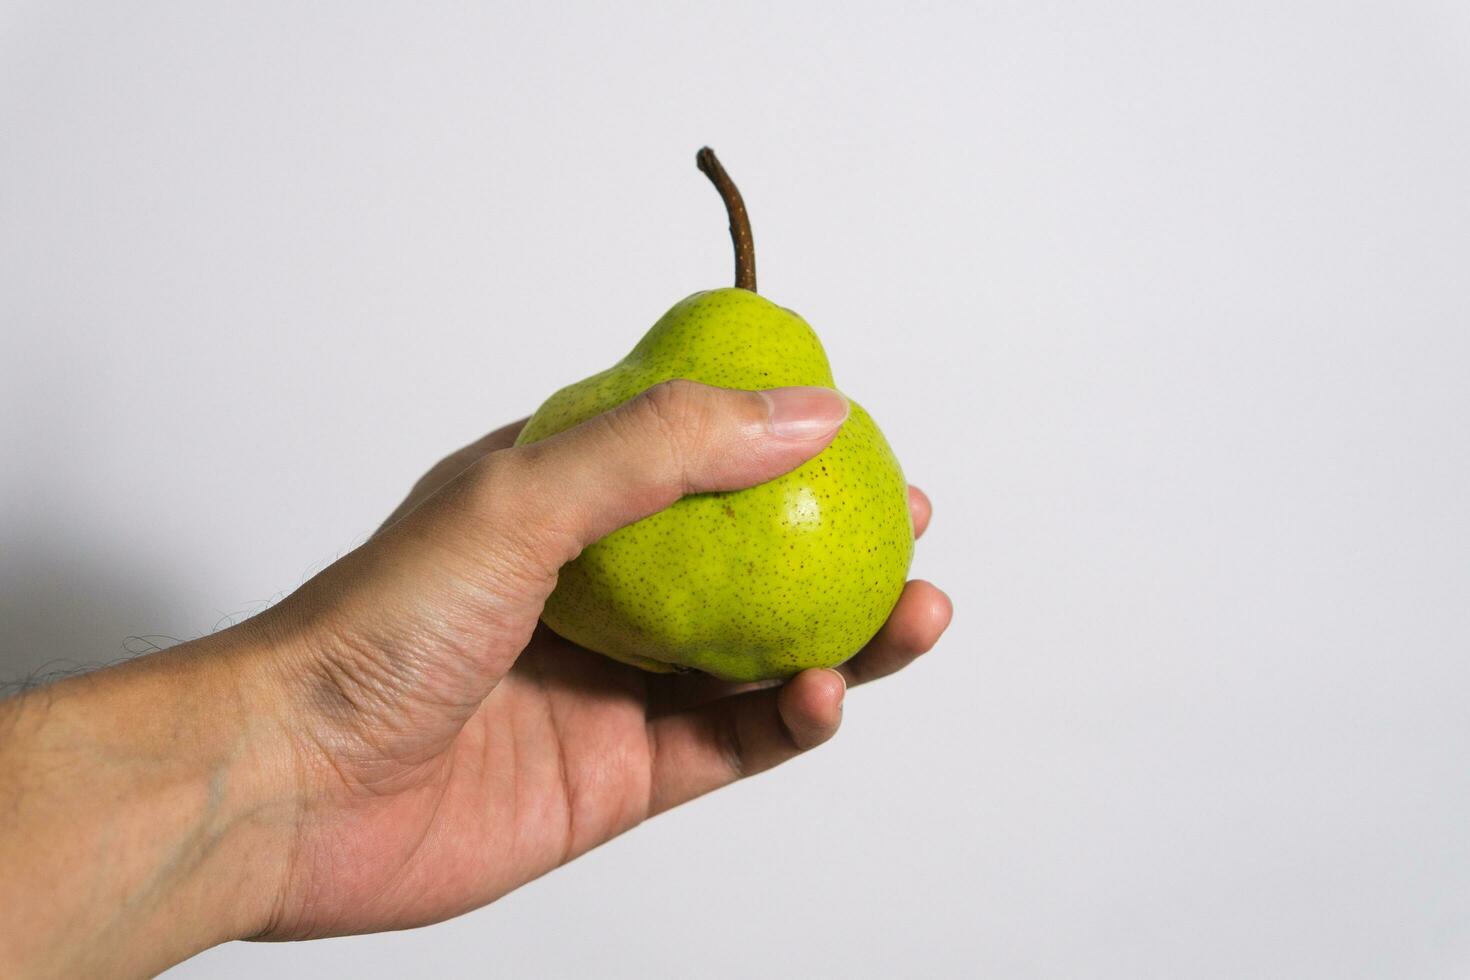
{"type": "Point", "coordinates": [676, 438]}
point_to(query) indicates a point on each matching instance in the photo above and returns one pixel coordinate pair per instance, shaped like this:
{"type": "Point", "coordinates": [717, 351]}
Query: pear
{"type": "Point", "coordinates": [753, 584]}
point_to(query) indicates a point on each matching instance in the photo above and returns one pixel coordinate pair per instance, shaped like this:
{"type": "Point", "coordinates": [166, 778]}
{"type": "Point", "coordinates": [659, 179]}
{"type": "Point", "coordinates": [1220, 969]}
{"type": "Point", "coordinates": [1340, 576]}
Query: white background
{"type": "Point", "coordinates": [1167, 305]}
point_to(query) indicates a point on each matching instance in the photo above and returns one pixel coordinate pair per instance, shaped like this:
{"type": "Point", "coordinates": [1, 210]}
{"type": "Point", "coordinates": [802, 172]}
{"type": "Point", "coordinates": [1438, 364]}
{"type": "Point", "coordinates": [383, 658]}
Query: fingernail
{"type": "Point", "coordinates": [843, 678]}
{"type": "Point", "coordinates": [804, 413]}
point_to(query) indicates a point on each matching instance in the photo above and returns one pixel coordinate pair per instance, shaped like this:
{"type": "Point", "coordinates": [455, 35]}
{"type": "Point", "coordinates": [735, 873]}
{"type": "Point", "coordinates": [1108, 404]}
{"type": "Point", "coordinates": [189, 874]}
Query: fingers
{"type": "Point", "coordinates": [920, 509]}
{"type": "Point", "coordinates": [717, 742]}
{"type": "Point", "coordinates": [711, 746]}
{"type": "Point", "coordinates": [920, 618]}
{"type": "Point", "coordinates": [674, 439]}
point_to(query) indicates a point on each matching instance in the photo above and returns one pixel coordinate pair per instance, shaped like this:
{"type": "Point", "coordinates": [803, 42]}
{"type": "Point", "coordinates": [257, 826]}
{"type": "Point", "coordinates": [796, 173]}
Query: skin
{"type": "Point", "coordinates": [398, 741]}
{"type": "Point", "coordinates": [753, 584]}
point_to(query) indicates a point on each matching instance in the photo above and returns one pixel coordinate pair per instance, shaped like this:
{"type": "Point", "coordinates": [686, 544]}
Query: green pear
{"type": "Point", "coordinates": [753, 584]}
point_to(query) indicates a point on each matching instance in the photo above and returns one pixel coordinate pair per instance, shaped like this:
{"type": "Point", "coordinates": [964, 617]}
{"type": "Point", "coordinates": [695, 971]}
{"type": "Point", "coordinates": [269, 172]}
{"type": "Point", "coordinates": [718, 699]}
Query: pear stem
{"type": "Point", "coordinates": [709, 164]}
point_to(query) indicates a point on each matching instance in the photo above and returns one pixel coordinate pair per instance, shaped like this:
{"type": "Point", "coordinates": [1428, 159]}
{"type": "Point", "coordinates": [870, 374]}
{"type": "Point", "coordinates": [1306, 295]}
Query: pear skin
{"type": "Point", "coordinates": [753, 584]}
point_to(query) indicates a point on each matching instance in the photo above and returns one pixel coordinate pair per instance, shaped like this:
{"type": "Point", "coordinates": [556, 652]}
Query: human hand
{"type": "Point", "coordinates": [399, 741]}
{"type": "Point", "coordinates": [456, 748]}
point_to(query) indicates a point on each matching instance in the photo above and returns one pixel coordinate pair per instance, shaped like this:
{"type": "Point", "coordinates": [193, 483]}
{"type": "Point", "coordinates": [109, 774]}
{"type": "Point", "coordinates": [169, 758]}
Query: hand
{"type": "Point", "coordinates": [399, 741]}
{"type": "Point", "coordinates": [459, 749]}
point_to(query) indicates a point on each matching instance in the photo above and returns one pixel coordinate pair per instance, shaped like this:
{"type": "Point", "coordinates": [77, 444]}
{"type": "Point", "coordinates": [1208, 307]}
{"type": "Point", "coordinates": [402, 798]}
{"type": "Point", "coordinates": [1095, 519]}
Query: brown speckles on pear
{"type": "Point", "coordinates": [797, 572]}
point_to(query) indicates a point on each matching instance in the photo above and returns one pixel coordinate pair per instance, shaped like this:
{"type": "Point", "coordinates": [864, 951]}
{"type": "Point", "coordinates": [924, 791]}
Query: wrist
{"type": "Point", "coordinates": [151, 810]}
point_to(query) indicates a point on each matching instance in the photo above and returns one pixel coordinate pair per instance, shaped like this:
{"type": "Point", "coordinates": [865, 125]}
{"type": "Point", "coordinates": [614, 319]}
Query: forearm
{"type": "Point", "coordinates": [146, 813]}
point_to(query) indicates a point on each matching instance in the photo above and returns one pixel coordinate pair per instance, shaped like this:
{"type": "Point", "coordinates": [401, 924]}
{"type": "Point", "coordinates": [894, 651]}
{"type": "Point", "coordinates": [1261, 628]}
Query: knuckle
{"type": "Point", "coordinates": [505, 486]}
{"type": "Point", "coordinates": [676, 406]}
{"type": "Point", "coordinates": [494, 499]}
{"type": "Point", "coordinates": [521, 507]}
{"type": "Point", "coordinates": [679, 412]}
{"type": "Point", "coordinates": [484, 488]}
